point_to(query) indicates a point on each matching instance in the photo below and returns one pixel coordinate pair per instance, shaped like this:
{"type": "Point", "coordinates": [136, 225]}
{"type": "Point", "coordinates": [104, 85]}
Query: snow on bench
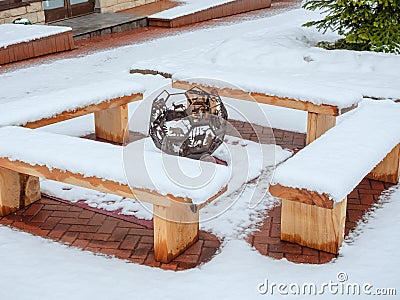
{"type": "Point", "coordinates": [314, 183]}
{"type": "Point", "coordinates": [106, 99]}
{"type": "Point", "coordinates": [11, 34]}
{"type": "Point", "coordinates": [322, 102]}
{"type": "Point", "coordinates": [18, 42]}
{"type": "Point", "coordinates": [127, 171]}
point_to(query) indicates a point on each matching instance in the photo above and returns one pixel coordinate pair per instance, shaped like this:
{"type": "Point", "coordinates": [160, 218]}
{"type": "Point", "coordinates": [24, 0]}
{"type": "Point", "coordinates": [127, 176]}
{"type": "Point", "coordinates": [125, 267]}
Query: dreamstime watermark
{"type": "Point", "coordinates": [340, 286]}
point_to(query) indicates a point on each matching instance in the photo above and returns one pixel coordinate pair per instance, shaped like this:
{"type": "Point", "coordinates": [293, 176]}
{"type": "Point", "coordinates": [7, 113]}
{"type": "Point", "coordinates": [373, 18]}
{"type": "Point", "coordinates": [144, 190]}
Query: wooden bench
{"type": "Point", "coordinates": [179, 16]}
{"type": "Point", "coordinates": [314, 183]}
{"type": "Point", "coordinates": [108, 101]}
{"type": "Point", "coordinates": [35, 40]}
{"type": "Point", "coordinates": [26, 154]}
{"type": "Point", "coordinates": [322, 110]}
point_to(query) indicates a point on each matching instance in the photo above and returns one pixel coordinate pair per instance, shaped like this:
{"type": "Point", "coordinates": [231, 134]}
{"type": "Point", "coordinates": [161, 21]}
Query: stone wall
{"type": "Point", "coordinates": [118, 5]}
{"type": "Point", "coordinates": [33, 11]}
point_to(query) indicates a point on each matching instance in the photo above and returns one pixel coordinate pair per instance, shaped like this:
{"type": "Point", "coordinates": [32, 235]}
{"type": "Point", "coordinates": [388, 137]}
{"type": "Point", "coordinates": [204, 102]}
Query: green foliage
{"type": "Point", "coordinates": [372, 25]}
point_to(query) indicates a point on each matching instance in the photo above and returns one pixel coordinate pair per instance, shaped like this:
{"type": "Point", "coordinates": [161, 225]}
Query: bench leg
{"type": "Point", "coordinates": [110, 124]}
{"type": "Point", "coordinates": [175, 229]}
{"type": "Point", "coordinates": [318, 124]}
{"type": "Point", "coordinates": [17, 190]}
{"type": "Point", "coordinates": [313, 226]}
{"type": "Point", "coordinates": [388, 169]}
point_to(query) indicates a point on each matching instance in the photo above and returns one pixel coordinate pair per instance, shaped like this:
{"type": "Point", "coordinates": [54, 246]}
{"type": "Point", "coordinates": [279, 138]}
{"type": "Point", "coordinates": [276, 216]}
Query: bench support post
{"type": "Point", "coordinates": [388, 169]}
{"type": "Point", "coordinates": [110, 124]}
{"type": "Point", "coordinates": [318, 124]}
{"type": "Point", "coordinates": [175, 229]}
{"type": "Point", "coordinates": [313, 226]}
{"type": "Point", "coordinates": [17, 190]}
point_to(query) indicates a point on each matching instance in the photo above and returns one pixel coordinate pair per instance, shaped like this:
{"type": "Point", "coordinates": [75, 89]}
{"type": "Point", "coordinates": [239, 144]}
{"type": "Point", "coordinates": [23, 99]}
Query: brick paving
{"type": "Point", "coordinates": [103, 234]}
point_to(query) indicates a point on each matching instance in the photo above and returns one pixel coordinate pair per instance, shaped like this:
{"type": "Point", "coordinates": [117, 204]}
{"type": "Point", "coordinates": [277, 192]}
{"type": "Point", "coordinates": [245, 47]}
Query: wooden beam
{"type": "Point", "coordinates": [301, 195]}
{"type": "Point", "coordinates": [111, 124]}
{"type": "Point", "coordinates": [94, 183]}
{"type": "Point", "coordinates": [175, 229]}
{"type": "Point", "coordinates": [313, 226]}
{"type": "Point", "coordinates": [265, 99]}
{"type": "Point", "coordinates": [17, 190]}
{"type": "Point", "coordinates": [388, 169]}
{"type": "Point", "coordinates": [318, 124]}
{"type": "Point", "coordinates": [66, 115]}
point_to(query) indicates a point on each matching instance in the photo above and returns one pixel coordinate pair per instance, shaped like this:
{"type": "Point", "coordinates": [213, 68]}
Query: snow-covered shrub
{"type": "Point", "coordinates": [372, 25]}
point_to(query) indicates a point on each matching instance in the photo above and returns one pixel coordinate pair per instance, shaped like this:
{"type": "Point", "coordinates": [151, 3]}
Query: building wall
{"type": "Point", "coordinates": [118, 5]}
{"type": "Point", "coordinates": [33, 11]}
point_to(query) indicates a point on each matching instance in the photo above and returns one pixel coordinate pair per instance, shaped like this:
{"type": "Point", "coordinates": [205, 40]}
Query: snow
{"type": "Point", "coordinates": [336, 162]}
{"type": "Point", "coordinates": [278, 45]}
{"type": "Point", "coordinates": [273, 46]}
{"type": "Point", "coordinates": [277, 56]}
{"type": "Point", "coordinates": [47, 105]}
{"type": "Point", "coordinates": [11, 34]}
{"type": "Point", "coordinates": [188, 7]}
{"type": "Point", "coordinates": [138, 164]}
{"type": "Point", "coordinates": [41, 269]}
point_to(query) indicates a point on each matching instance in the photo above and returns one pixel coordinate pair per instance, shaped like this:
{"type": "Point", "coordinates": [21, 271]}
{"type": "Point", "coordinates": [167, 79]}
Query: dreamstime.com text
{"type": "Point", "coordinates": [340, 286]}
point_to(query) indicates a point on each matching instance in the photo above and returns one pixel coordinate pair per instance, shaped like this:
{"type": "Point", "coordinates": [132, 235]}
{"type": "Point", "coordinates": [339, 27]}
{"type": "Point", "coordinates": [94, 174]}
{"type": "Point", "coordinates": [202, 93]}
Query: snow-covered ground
{"type": "Point", "coordinates": [279, 47]}
{"type": "Point", "coordinates": [35, 268]}
{"type": "Point", "coordinates": [11, 34]}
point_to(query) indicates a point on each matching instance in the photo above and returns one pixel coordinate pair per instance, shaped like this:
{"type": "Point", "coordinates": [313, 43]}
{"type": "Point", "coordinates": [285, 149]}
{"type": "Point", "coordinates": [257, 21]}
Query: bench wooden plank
{"type": "Point", "coordinates": [388, 169]}
{"type": "Point", "coordinates": [98, 184]}
{"type": "Point", "coordinates": [264, 99]}
{"type": "Point", "coordinates": [81, 111]}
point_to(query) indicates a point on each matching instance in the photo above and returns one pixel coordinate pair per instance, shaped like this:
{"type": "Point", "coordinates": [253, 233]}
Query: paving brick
{"type": "Point", "coordinates": [69, 237]}
{"type": "Point", "coordinates": [41, 216]}
{"type": "Point", "coordinates": [300, 258]}
{"type": "Point", "coordinates": [65, 214]}
{"type": "Point", "coordinates": [80, 243]}
{"type": "Point", "coordinates": [86, 214]}
{"type": "Point", "coordinates": [83, 228]}
{"type": "Point", "coordinates": [119, 234]}
{"type": "Point", "coordinates": [141, 231]}
{"type": "Point", "coordinates": [50, 223]}
{"type": "Point", "coordinates": [33, 209]}
{"type": "Point", "coordinates": [108, 226]}
{"type": "Point", "coordinates": [97, 219]}
{"type": "Point", "coordinates": [195, 249]}
{"type": "Point", "coordinates": [74, 221]}
{"type": "Point", "coordinates": [171, 266]}
{"type": "Point", "coordinates": [286, 248]}
{"type": "Point", "coordinates": [130, 242]}
{"type": "Point", "coordinates": [58, 231]}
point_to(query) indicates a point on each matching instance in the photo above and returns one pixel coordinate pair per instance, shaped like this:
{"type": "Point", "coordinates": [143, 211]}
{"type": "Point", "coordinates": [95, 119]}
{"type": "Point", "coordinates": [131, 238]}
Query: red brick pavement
{"type": "Point", "coordinates": [103, 234]}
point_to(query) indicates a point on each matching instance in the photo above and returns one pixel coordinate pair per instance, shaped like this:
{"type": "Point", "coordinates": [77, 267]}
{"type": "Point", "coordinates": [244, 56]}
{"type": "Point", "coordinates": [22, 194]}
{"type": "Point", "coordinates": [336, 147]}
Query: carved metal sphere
{"type": "Point", "coordinates": [188, 124]}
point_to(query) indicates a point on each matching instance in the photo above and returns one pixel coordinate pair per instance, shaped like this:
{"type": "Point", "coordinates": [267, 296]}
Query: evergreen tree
{"type": "Point", "coordinates": [372, 25]}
